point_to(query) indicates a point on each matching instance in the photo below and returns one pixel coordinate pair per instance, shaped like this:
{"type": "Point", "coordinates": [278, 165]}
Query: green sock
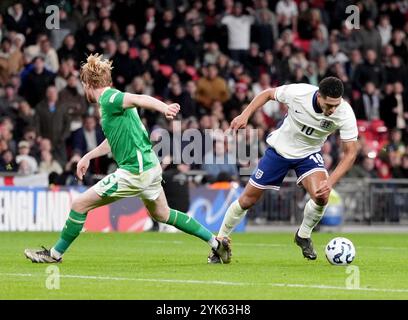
{"type": "Point", "coordinates": [72, 229]}
{"type": "Point", "coordinates": [189, 225]}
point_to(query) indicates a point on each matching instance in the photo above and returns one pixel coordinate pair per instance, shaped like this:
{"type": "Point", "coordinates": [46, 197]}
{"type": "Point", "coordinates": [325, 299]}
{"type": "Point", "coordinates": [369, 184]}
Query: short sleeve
{"type": "Point", "coordinates": [348, 129]}
{"type": "Point", "coordinates": [113, 103]}
{"type": "Point", "coordinates": [285, 93]}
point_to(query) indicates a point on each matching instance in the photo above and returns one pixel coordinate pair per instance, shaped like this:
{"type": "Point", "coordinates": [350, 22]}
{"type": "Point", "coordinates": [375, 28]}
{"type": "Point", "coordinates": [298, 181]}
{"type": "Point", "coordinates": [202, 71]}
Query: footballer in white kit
{"type": "Point", "coordinates": [313, 114]}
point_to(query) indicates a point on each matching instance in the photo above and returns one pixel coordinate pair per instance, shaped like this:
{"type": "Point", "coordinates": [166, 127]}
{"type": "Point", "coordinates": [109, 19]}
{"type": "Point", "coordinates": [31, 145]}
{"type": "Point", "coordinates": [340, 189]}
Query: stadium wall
{"type": "Point", "coordinates": [44, 209]}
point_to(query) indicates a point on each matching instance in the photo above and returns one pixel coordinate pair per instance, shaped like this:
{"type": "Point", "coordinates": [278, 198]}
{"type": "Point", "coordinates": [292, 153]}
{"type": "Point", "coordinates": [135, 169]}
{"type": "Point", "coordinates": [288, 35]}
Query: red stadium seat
{"type": "Point", "coordinates": [378, 126]}
{"type": "Point", "coordinates": [166, 70]}
{"type": "Point", "coordinates": [362, 125]}
{"type": "Point", "coordinates": [192, 72]}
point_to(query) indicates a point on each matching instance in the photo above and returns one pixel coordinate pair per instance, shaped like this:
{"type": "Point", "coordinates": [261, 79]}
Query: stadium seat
{"type": "Point", "coordinates": [166, 70]}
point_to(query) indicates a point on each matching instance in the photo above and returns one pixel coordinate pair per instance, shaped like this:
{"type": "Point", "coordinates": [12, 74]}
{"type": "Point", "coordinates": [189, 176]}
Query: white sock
{"type": "Point", "coordinates": [232, 218]}
{"type": "Point", "coordinates": [312, 215]}
{"type": "Point", "coordinates": [55, 254]}
{"type": "Point", "coordinates": [213, 242]}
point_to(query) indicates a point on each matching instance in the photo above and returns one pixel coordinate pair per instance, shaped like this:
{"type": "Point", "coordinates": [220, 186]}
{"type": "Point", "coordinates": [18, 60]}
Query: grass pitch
{"type": "Point", "coordinates": [173, 266]}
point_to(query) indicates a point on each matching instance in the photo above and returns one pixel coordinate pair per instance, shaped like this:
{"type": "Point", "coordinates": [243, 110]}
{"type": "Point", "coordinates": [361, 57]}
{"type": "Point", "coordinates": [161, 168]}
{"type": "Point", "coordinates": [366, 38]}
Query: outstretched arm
{"type": "Point", "coordinates": [263, 97]}
{"type": "Point", "coordinates": [83, 164]}
{"type": "Point", "coordinates": [146, 102]}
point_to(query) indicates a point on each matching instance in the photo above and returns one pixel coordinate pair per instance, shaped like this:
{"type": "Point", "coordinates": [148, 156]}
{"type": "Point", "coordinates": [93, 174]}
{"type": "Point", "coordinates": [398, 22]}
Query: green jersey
{"type": "Point", "coordinates": [126, 134]}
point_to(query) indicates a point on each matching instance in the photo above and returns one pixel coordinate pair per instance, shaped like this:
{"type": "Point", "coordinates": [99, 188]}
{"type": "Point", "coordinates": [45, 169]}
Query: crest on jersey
{"type": "Point", "coordinates": [326, 124]}
{"type": "Point", "coordinates": [258, 174]}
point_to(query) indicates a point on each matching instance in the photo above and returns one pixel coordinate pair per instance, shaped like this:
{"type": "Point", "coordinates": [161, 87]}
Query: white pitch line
{"type": "Point", "coordinates": [262, 244]}
{"type": "Point", "coordinates": [225, 283]}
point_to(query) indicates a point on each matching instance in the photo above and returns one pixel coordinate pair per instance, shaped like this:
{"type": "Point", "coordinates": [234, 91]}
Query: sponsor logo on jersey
{"type": "Point", "coordinates": [259, 173]}
{"type": "Point", "coordinates": [326, 124]}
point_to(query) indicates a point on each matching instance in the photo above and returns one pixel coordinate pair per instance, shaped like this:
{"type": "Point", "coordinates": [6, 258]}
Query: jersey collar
{"type": "Point", "coordinates": [314, 103]}
{"type": "Point", "coordinates": [103, 92]}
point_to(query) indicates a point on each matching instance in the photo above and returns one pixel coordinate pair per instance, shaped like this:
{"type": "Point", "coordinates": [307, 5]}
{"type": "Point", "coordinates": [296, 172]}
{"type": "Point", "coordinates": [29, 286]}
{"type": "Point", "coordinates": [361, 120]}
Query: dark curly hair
{"type": "Point", "coordinates": [331, 87]}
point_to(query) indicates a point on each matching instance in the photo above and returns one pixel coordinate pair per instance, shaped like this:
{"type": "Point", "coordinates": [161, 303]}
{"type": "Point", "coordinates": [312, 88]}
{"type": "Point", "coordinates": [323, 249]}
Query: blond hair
{"type": "Point", "coordinates": [96, 73]}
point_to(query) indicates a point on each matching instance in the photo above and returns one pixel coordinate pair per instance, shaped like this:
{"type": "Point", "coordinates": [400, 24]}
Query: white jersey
{"type": "Point", "coordinates": [305, 128]}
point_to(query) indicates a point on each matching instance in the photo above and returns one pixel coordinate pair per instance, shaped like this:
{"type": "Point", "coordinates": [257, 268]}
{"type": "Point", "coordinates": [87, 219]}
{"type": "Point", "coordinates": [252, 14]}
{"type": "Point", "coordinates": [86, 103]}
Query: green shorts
{"type": "Point", "coordinates": [124, 184]}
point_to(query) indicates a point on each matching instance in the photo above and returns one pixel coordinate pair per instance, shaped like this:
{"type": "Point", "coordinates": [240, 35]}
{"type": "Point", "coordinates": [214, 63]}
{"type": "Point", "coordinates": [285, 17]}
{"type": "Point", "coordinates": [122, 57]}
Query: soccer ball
{"type": "Point", "coordinates": [340, 251]}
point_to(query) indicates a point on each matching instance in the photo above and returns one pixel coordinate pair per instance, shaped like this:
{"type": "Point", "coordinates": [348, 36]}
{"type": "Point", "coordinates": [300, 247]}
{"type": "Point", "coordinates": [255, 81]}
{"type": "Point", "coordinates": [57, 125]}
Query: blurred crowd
{"type": "Point", "coordinates": [209, 56]}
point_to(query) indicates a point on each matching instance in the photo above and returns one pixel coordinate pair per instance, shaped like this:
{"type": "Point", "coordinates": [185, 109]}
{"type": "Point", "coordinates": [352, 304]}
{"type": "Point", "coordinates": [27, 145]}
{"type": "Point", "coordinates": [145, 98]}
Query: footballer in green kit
{"type": "Point", "coordinates": [139, 172]}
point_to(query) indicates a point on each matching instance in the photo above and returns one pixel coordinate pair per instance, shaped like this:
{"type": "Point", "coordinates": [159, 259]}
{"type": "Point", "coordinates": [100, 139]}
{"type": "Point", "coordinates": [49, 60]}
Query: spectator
{"type": "Point", "coordinates": [180, 96]}
{"type": "Point", "coordinates": [369, 37]}
{"type": "Point", "coordinates": [24, 119]}
{"type": "Point", "coordinates": [83, 12]}
{"type": "Point", "coordinates": [370, 70]}
{"type": "Point", "coordinates": [11, 60]}
{"type": "Point", "coordinates": [385, 29]}
{"type": "Point", "coordinates": [124, 66]}
{"type": "Point", "coordinates": [16, 19]}
{"type": "Point", "coordinates": [353, 63]}
{"type": "Point", "coordinates": [271, 67]}
{"type": "Point", "coordinates": [87, 38]}
{"type": "Point", "coordinates": [176, 64]}
{"type": "Point", "coordinates": [108, 30]}
{"type": "Point", "coordinates": [74, 101]}
{"type": "Point", "coordinates": [36, 82]}
{"type": "Point", "coordinates": [9, 104]}
{"type": "Point", "coordinates": [287, 12]}
{"type": "Point", "coordinates": [318, 45]}
{"type": "Point", "coordinates": [181, 70]}
{"type": "Point", "coordinates": [253, 61]}
{"type": "Point", "coordinates": [27, 164]}
{"type": "Point", "coordinates": [49, 54]}
{"type": "Point", "coordinates": [265, 31]}
{"type": "Point", "coordinates": [394, 108]}
{"type": "Point", "coordinates": [399, 44]}
{"type": "Point", "coordinates": [48, 165]}
{"type": "Point", "coordinates": [167, 25]}
{"type": "Point", "coordinates": [131, 38]}
{"type": "Point", "coordinates": [69, 49]}
{"type": "Point", "coordinates": [335, 55]}
{"type": "Point", "coordinates": [212, 53]}
{"type": "Point", "coordinates": [165, 51]}
{"type": "Point", "coordinates": [239, 32]}
{"type": "Point", "coordinates": [216, 163]}
{"type": "Point", "coordinates": [87, 138]}
{"type": "Point", "coordinates": [139, 86]}
{"type": "Point", "coordinates": [66, 26]}
{"type": "Point", "coordinates": [52, 122]}
{"type": "Point", "coordinates": [7, 162]}
{"type": "Point", "coordinates": [239, 98]}
{"type": "Point", "coordinates": [182, 45]}
{"type": "Point", "coordinates": [68, 177]}
{"type": "Point", "coordinates": [396, 71]}
{"type": "Point", "coordinates": [347, 38]}
{"type": "Point", "coordinates": [365, 170]}
{"type": "Point", "coordinates": [197, 45]}
{"type": "Point", "coordinates": [368, 107]}
{"type": "Point", "coordinates": [211, 87]}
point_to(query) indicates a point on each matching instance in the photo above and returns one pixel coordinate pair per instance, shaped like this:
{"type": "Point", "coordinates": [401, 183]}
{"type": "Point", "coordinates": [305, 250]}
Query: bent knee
{"type": "Point", "coordinates": [79, 206]}
{"type": "Point", "coordinates": [320, 200]}
{"type": "Point", "coordinates": [161, 215]}
{"type": "Point", "coordinates": [246, 202]}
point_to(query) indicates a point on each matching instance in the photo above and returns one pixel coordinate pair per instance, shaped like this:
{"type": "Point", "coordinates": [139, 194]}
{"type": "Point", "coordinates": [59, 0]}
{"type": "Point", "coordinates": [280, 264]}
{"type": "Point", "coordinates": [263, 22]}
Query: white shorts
{"type": "Point", "coordinates": [124, 184]}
